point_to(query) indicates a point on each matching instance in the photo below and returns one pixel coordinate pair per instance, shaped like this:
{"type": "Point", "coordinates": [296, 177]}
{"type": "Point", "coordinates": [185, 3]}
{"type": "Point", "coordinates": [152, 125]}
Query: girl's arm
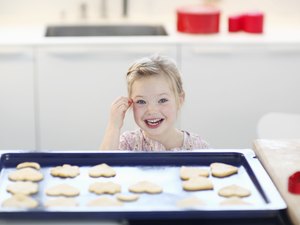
{"type": "Point", "coordinates": [118, 110]}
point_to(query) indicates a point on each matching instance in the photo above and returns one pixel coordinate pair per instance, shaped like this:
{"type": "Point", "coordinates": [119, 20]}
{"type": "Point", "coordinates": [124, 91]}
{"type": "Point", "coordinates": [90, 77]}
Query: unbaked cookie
{"type": "Point", "coordinates": [127, 197]}
{"type": "Point", "coordinates": [197, 184]}
{"type": "Point", "coordinates": [145, 187]}
{"type": "Point", "coordinates": [26, 174]}
{"type": "Point", "coordinates": [190, 202]}
{"type": "Point", "coordinates": [65, 171]}
{"type": "Point", "coordinates": [63, 190]}
{"type": "Point", "coordinates": [105, 202]}
{"type": "Point", "coordinates": [222, 169]}
{"type": "Point", "coordinates": [61, 202]}
{"type": "Point", "coordinates": [234, 190]}
{"type": "Point", "coordinates": [105, 188]}
{"type": "Point", "coordinates": [33, 165]}
{"type": "Point", "coordinates": [20, 201]}
{"type": "Point", "coordinates": [189, 172]}
{"type": "Point", "coordinates": [102, 170]}
{"type": "Point", "coordinates": [23, 187]}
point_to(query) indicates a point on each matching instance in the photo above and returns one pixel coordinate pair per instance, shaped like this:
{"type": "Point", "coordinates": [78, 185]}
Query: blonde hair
{"type": "Point", "coordinates": [156, 66]}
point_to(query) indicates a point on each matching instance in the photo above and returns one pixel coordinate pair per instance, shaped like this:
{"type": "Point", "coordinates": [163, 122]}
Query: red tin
{"type": "Point", "coordinates": [250, 22]}
{"type": "Point", "coordinates": [201, 19]}
{"type": "Point", "coordinates": [294, 183]}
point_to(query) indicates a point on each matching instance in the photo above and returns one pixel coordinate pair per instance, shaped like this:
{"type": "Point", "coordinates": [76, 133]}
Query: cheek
{"type": "Point", "coordinates": [137, 111]}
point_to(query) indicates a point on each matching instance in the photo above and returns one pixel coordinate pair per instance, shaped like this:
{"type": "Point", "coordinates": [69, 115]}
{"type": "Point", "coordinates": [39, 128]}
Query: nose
{"type": "Point", "coordinates": [151, 107]}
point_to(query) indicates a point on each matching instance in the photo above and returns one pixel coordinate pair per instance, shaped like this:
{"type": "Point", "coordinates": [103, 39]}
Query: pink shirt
{"type": "Point", "coordinates": [136, 141]}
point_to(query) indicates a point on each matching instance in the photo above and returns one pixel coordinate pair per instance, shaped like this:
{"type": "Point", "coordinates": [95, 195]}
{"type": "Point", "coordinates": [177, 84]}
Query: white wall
{"type": "Point", "coordinates": [24, 12]}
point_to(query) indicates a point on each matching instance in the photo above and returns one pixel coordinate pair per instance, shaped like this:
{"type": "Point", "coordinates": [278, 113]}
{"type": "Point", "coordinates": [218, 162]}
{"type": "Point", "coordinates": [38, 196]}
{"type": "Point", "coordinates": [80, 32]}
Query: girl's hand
{"type": "Point", "coordinates": [118, 111]}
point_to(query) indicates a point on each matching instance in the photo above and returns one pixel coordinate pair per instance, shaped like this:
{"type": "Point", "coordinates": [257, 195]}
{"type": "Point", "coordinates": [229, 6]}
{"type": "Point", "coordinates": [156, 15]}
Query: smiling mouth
{"type": "Point", "coordinates": [154, 122]}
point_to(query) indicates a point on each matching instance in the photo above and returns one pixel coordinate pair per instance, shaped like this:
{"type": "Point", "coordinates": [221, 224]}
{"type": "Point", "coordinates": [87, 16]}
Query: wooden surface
{"type": "Point", "coordinates": [281, 158]}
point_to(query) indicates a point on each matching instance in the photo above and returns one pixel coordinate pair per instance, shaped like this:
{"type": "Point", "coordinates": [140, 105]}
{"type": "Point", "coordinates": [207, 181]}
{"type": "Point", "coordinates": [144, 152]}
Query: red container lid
{"type": "Point", "coordinates": [198, 19]}
{"type": "Point", "coordinates": [294, 183]}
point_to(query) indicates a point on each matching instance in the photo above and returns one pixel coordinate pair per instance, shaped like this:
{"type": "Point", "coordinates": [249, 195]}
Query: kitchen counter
{"type": "Point", "coordinates": [281, 158]}
{"type": "Point", "coordinates": [34, 35]}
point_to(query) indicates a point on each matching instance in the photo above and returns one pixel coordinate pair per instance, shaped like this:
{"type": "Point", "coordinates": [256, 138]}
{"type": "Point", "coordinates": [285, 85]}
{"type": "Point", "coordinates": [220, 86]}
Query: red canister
{"type": "Point", "coordinates": [294, 183]}
{"type": "Point", "coordinates": [201, 19]}
{"type": "Point", "coordinates": [253, 22]}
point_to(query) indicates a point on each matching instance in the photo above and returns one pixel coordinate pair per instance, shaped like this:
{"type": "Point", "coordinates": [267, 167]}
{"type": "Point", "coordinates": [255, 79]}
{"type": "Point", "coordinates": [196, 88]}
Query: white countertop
{"type": "Point", "coordinates": [35, 36]}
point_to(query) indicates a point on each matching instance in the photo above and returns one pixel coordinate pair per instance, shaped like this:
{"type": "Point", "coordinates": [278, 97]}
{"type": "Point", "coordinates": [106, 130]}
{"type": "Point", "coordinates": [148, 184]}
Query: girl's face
{"type": "Point", "coordinates": [154, 105]}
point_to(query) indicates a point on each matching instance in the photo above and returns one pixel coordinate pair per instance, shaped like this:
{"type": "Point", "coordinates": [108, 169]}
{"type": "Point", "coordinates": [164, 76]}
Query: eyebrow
{"type": "Point", "coordinates": [141, 96]}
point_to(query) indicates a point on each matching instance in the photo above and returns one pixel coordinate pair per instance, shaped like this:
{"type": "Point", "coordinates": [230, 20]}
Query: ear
{"type": "Point", "coordinates": [181, 98]}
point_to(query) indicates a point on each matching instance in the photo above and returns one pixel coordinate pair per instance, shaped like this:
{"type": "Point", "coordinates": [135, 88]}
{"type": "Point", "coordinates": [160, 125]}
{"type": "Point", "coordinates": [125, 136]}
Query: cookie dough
{"type": "Point", "coordinates": [189, 172]}
{"type": "Point", "coordinates": [61, 202]}
{"type": "Point", "coordinates": [33, 165]}
{"type": "Point", "coordinates": [23, 187]}
{"type": "Point", "coordinates": [197, 184]}
{"type": "Point", "coordinates": [20, 201]}
{"type": "Point", "coordinates": [190, 202]}
{"type": "Point", "coordinates": [62, 190]}
{"type": "Point", "coordinates": [234, 190]}
{"type": "Point", "coordinates": [26, 174]}
{"type": "Point", "coordinates": [222, 169]}
{"type": "Point", "coordinates": [105, 202]}
{"type": "Point", "coordinates": [145, 187]}
{"type": "Point", "coordinates": [127, 197]}
{"type": "Point", "coordinates": [65, 171]}
{"type": "Point", "coordinates": [105, 188]}
{"type": "Point", "coordinates": [102, 170]}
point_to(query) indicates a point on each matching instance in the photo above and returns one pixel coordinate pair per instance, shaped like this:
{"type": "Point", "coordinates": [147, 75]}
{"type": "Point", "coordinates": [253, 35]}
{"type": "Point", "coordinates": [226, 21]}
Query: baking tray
{"type": "Point", "coordinates": [159, 167]}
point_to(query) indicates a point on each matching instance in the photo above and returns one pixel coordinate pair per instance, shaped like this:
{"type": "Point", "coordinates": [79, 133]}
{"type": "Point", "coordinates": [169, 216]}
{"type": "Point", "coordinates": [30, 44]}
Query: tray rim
{"type": "Point", "coordinates": [264, 180]}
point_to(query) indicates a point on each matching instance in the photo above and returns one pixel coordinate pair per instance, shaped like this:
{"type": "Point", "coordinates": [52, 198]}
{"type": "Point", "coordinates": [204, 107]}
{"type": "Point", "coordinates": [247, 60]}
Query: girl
{"type": "Point", "coordinates": [155, 95]}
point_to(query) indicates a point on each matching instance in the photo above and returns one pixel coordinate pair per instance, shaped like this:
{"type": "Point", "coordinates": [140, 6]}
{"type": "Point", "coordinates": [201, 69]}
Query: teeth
{"type": "Point", "coordinates": [153, 121]}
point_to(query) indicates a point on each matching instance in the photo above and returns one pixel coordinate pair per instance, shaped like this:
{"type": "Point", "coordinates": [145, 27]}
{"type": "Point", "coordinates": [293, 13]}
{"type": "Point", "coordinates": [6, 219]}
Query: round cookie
{"type": "Point", "coordinates": [22, 187]}
{"type": "Point", "coordinates": [26, 174]}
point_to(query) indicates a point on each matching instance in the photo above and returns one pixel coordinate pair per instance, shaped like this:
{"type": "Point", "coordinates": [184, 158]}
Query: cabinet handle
{"type": "Point", "coordinates": [211, 50]}
{"type": "Point", "coordinates": [286, 50]}
{"type": "Point", "coordinates": [11, 55]}
{"type": "Point", "coordinates": [98, 53]}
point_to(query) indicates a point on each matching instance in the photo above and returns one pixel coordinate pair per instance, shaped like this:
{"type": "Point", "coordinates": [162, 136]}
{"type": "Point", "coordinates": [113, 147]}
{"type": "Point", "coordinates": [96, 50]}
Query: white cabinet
{"type": "Point", "coordinates": [76, 86]}
{"type": "Point", "coordinates": [17, 123]}
{"type": "Point", "coordinates": [228, 88]}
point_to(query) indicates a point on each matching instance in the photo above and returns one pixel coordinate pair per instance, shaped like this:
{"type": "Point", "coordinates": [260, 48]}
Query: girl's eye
{"type": "Point", "coordinates": [163, 100]}
{"type": "Point", "coordinates": [140, 102]}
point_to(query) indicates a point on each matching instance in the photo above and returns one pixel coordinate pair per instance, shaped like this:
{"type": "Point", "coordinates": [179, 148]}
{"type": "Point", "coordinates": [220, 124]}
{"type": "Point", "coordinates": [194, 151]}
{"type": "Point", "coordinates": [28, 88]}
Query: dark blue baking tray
{"type": "Point", "coordinates": [266, 200]}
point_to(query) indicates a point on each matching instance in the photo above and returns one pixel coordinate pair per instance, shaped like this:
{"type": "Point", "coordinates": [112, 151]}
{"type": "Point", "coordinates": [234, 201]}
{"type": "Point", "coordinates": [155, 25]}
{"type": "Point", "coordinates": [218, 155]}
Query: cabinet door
{"type": "Point", "coordinates": [229, 88]}
{"type": "Point", "coordinates": [17, 126]}
{"type": "Point", "coordinates": [76, 86]}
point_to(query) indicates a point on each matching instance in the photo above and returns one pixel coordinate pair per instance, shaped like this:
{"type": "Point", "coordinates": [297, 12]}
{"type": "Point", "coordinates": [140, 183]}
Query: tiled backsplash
{"type": "Point", "coordinates": [27, 12]}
